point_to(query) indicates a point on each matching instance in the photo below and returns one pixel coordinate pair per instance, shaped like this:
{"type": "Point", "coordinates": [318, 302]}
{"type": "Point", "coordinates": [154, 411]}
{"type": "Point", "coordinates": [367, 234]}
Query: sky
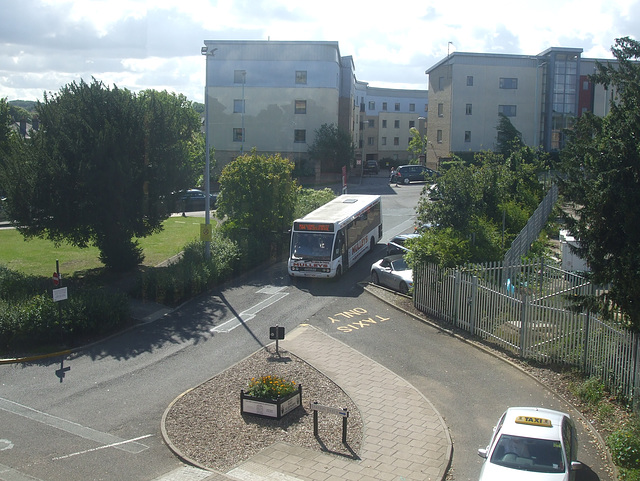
{"type": "Point", "coordinates": [155, 44]}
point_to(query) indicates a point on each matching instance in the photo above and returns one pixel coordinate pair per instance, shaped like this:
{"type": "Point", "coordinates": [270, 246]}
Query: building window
{"type": "Point", "coordinates": [412, 107]}
{"type": "Point", "coordinates": [440, 110]}
{"type": "Point", "coordinates": [396, 141]}
{"type": "Point", "coordinates": [412, 124]}
{"type": "Point", "coordinates": [467, 136]}
{"type": "Point", "coordinates": [384, 123]}
{"type": "Point", "coordinates": [239, 76]}
{"type": "Point", "coordinates": [370, 140]}
{"type": "Point", "coordinates": [301, 76]}
{"type": "Point", "coordinates": [426, 107]}
{"type": "Point", "coordinates": [508, 83]}
{"type": "Point", "coordinates": [397, 107]}
{"type": "Point", "coordinates": [301, 106]}
{"type": "Point", "coordinates": [396, 124]}
{"type": "Point", "coordinates": [383, 141]}
{"type": "Point", "coordinates": [469, 80]}
{"type": "Point", "coordinates": [237, 135]}
{"type": "Point", "coordinates": [384, 105]}
{"type": "Point", "coordinates": [371, 123]}
{"type": "Point", "coordinates": [468, 109]}
{"type": "Point", "coordinates": [372, 105]}
{"type": "Point", "coordinates": [238, 106]}
{"type": "Point", "coordinates": [439, 136]}
{"type": "Point", "coordinates": [441, 83]}
{"type": "Point", "coordinates": [299, 135]}
{"type": "Point", "coordinates": [507, 110]}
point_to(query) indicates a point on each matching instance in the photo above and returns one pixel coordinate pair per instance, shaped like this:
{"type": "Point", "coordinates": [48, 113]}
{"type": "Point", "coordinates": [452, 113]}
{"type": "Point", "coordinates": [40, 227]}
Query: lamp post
{"type": "Point", "coordinates": [207, 171]}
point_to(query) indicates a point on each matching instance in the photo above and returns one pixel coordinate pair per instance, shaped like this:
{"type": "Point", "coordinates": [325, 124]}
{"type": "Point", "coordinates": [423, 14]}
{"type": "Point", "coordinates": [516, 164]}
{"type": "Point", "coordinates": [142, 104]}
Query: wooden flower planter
{"type": "Point", "coordinates": [270, 408]}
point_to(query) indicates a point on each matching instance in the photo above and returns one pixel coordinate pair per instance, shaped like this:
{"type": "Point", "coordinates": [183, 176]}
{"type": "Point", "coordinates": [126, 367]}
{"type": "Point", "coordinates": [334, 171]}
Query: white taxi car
{"type": "Point", "coordinates": [531, 444]}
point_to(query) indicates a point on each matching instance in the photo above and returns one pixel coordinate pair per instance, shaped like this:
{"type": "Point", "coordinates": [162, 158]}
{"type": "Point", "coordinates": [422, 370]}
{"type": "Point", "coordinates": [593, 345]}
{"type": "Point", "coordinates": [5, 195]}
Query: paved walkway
{"type": "Point", "coordinates": [404, 437]}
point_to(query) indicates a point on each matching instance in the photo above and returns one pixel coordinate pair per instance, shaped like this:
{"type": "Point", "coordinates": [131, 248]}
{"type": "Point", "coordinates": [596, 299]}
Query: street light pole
{"type": "Point", "coordinates": [207, 170]}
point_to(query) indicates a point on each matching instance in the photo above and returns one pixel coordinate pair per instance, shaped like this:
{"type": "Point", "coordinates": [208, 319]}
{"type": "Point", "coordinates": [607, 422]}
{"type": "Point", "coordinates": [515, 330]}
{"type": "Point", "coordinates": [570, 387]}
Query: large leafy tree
{"type": "Point", "coordinates": [257, 198]}
{"type": "Point", "coordinates": [99, 168]}
{"type": "Point", "coordinates": [478, 209]}
{"type": "Point", "coordinates": [333, 148]}
{"type": "Point", "coordinates": [601, 164]}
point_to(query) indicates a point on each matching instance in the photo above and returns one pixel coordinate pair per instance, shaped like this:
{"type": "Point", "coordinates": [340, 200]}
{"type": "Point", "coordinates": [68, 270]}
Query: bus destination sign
{"type": "Point", "coordinates": [309, 227]}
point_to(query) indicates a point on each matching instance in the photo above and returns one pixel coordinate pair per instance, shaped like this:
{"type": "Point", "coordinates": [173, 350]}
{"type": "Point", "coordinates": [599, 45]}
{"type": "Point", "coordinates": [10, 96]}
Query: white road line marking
{"type": "Point", "coordinates": [71, 427]}
{"type": "Point", "coordinates": [250, 313]}
{"type": "Point", "coordinates": [112, 445]}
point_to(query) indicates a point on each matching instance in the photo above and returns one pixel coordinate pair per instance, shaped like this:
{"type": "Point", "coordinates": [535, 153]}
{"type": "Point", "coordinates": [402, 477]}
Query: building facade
{"type": "Point", "coordinates": [541, 95]}
{"type": "Point", "coordinates": [274, 95]}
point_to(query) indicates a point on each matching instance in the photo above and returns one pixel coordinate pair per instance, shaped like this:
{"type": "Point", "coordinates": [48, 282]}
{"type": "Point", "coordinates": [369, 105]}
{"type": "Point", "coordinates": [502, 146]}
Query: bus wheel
{"type": "Point", "coordinates": [338, 272]}
{"type": "Point", "coordinates": [372, 244]}
{"type": "Point", "coordinates": [374, 278]}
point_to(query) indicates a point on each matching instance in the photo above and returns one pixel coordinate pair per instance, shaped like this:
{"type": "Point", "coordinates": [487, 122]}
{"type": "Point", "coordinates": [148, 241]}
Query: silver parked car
{"type": "Point", "coordinates": [393, 272]}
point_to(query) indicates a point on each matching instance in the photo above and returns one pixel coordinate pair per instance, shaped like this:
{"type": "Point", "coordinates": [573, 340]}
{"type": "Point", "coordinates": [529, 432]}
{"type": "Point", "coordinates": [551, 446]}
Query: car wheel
{"type": "Point", "coordinates": [374, 278]}
{"type": "Point", "coordinates": [406, 180]}
{"type": "Point", "coordinates": [404, 289]}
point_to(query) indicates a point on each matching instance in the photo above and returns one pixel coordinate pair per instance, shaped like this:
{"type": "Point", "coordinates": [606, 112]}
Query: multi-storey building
{"type": "Point", "coordinates": [542, 95]}
{"type": "Point", "coordinates": [274, 95]}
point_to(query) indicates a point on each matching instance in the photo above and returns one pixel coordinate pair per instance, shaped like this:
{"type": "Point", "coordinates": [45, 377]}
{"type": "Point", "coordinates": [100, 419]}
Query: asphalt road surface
{"type": "Point", "coordinates": [96, 415]}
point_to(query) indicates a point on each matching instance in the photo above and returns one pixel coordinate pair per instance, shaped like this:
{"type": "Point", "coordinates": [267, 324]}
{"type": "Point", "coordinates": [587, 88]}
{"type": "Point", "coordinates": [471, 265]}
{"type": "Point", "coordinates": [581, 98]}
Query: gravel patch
{"type": "Point", "coordinates": [205, 424]}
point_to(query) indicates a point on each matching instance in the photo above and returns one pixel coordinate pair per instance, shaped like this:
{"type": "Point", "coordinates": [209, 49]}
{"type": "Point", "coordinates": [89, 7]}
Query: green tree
{"type": "Point", "coordinates": [310, 199]}
{"type": "Point", "coordinates": [98, 170]}
{"type": "Point", "coordinates": [417, 145]}
{"type": "Point", "coordinates": [509, 138]}
{"type": "Point", "coordinates": [333, 148]}
{"type": "Point", "coordinates": [257, 200]}
{"type": "Point", "coordinates": [480, 208]}
{"type": "Point", "coordinates": [601, 185]}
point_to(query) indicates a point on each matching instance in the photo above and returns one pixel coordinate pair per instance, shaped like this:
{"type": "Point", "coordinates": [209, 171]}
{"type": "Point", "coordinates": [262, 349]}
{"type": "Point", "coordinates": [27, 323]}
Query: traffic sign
{"type": "Point", "coordinates": [56, 279]}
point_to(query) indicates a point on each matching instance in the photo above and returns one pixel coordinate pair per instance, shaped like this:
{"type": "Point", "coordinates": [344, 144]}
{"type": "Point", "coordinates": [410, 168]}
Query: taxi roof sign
{"type": "Point", "coordinates": [533, 421]}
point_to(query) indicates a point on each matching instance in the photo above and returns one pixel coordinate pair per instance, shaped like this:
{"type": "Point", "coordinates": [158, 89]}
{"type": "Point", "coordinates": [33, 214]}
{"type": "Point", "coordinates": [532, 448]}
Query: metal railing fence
{"type": "Point", "coordinates": [527, 309]}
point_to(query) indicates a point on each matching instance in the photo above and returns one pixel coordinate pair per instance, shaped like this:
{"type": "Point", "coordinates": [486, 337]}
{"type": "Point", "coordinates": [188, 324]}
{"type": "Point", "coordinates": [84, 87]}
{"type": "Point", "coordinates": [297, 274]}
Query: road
{"type": "Point", "coordinates": [96, 415]}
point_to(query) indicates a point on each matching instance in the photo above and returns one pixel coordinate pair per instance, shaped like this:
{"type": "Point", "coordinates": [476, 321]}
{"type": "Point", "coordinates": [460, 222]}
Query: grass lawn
{"type": "Point", "coordinates": [38, 257]}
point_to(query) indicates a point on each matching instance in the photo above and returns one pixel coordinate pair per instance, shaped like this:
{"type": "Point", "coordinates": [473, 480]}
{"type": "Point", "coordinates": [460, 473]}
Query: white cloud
{"type": "Point", "coordinates": [142, 44]}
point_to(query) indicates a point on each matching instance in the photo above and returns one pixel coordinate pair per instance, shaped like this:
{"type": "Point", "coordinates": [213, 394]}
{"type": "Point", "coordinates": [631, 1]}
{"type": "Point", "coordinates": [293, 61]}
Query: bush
{"type": "Point", "coordinates": [192, 274]}
{"type": "Point", "coordinates": [591, 391]}
{"type": "Point", "coordinates": [624, 444]}
{"type": "Point", "coordinates": [36, 322]}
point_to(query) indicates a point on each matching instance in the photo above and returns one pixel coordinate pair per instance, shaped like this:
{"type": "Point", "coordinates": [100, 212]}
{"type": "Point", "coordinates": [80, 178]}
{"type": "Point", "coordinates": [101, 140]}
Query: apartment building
{"type": "Point", "coordinates": [387, 117]}
{"type": "Point", "coordinates": [274, 95]}
{"type": "Point", "coordinates": [542, 95]}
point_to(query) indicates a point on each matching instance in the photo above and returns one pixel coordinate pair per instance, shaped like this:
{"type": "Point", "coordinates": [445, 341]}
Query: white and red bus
{"type": "Point", "coordinates": [329, 240]}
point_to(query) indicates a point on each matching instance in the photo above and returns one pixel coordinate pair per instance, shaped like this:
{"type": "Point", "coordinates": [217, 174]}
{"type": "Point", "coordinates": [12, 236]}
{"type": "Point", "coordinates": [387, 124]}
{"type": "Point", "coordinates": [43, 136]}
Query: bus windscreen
{"type": "Point", "coordinates": [311, 246]}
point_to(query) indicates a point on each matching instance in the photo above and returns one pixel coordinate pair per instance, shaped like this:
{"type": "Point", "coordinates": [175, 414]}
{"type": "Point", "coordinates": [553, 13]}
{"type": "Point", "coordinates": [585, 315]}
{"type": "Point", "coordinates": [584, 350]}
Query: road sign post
{"type": "Point", "coordinates": [276, 332]}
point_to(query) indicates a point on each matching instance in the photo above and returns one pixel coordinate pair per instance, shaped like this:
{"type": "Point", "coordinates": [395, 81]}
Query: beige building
{"type": "Point", "coordinates": [274, 95]}
{"type": "Point", "coordinates": [541, 95]}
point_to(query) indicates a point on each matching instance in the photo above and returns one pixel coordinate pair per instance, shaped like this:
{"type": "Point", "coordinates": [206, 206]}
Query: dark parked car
{"type": "Point", "coordinates": [413, 173]}
{"type": "Point", "coordinates": [396, 244]}
{"type": "Point", "coordinates": [193, 200]}
{"type": "Point", "coordinates": [371, 167]}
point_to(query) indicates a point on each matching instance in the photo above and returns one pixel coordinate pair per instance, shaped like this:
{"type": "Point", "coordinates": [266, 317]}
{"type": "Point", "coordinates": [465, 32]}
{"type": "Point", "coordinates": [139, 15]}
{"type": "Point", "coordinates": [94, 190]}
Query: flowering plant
{"type": "Point", "coordinates": [270, 387]}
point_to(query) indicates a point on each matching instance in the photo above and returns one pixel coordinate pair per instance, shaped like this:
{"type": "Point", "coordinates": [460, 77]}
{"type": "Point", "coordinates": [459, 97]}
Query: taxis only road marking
{"type": "Point", "coordinates": [353, 323]}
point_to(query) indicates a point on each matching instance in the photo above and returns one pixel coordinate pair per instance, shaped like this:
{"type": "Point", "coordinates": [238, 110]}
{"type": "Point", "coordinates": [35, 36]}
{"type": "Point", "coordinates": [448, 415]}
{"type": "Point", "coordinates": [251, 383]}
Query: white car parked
{"type": "Point", "coordinates": [531, 444]}
{"type": "Point", "coordinates": [393, 272]}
